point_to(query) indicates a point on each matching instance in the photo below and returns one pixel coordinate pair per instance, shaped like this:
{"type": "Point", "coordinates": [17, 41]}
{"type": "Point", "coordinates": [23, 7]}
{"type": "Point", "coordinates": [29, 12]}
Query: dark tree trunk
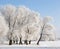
{"type": "Point", "coordinates": [10, 42]}
{"type": "Point", "coordinates": [20, 42]}
{"type": "Point", "coordinates": [30, 42]}
{"type": "Point", "coordinates": [41, 34]}
{"type": "Point", "coordinates": [39, 39]}
{"type": "Point", "coordinates": [16, 41]}
{"type": "Point", "coordinates": [26, 42]}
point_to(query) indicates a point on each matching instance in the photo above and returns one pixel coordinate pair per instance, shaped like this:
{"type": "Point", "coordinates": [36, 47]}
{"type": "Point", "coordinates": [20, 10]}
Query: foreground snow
{"type": "Point", "coordinates": [33, 44]}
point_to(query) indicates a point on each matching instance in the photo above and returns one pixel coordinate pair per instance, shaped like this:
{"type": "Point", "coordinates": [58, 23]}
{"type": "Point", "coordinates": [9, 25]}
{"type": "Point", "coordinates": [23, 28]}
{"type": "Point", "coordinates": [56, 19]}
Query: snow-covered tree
{"type": "Point", "coordinates": [9, 14]}
{"type": "Point", "coordinates": [47, 30]}
{"type": "Point", "coordinates": [26, 18]}
{"type": "Point", "coordinates": [3, 27]}
{"type": "Point", "coordinates": [32, 19]}
{"type": "Point", "coordinates": [48, 33]}
{"type": "Point", "coordinates": [26, 24]}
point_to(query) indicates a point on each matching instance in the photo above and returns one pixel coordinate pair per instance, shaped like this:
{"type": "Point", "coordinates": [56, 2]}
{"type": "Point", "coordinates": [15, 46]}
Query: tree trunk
{"type": "Point", "coordinates": [41, 34]}
{"type": "Point", "coordinates": [30, 42]}
{"type": "Point", "coordinates": [26, 42]}
{"type": "Point", "coordinates": [10, 42]}
{"type": "Point", "coordinates": [39, 39]}
{"type": "Point", "coordinates": [16, 41]}
{"type": "Point", "coordinates": [20, 42]}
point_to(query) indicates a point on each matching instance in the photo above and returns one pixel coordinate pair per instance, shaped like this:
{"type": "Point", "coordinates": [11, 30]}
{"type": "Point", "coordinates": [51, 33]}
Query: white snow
{"type": "Point", "coordinates": [33, 44]}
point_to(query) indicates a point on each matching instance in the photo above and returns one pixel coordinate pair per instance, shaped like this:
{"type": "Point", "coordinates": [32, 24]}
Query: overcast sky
{"type": "Point", "coordinates": [45, 7]}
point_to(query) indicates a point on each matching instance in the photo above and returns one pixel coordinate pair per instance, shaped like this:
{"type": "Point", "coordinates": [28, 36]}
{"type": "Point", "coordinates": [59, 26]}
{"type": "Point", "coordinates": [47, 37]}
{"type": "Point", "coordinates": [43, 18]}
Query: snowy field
{"type": "Point", "coordinates": [29, 48]}
{"type": "Point", "coordinates": [33, 44]}
{"type": "Point", "coordinates": [42, 45]}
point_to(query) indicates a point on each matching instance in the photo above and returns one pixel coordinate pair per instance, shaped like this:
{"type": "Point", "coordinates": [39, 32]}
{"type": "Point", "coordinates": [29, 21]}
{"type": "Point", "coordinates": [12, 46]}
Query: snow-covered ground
{"type": "Point", "coordinates": [33, 44]}
{"type": "Point", "coordinates": [29, 48]}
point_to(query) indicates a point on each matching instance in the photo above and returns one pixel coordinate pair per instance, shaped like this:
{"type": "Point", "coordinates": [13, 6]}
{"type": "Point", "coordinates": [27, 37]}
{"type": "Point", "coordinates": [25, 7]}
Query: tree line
{"type": "Point", "coordinates": [21, 23]}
